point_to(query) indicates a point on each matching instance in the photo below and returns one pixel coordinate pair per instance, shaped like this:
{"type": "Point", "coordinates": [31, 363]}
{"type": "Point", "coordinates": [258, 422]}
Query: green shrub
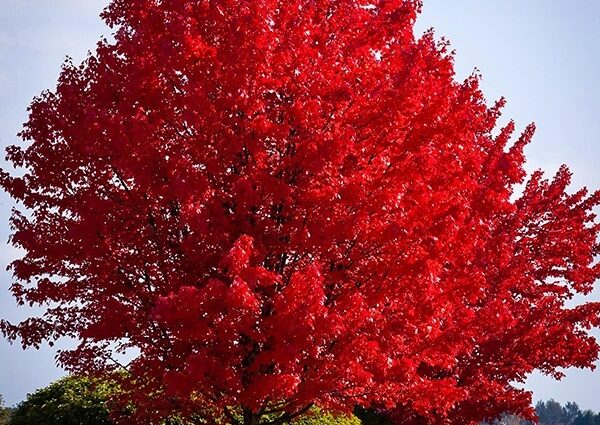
{"type": "Point", "coordinates": [68, 401]}
{"type": "Point", "coordinates": [319, 417]}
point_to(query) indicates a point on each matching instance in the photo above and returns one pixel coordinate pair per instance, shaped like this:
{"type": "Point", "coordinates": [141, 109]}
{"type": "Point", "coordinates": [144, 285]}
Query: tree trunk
{"type": "Point", "coordinates": [250, 418]}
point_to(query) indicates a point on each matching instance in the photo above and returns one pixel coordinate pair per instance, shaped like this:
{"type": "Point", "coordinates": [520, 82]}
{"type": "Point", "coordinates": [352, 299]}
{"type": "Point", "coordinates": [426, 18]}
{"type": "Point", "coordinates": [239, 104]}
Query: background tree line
{"type": "Point", "coordinates": [552, 412]}
{"type": "Point", "coordinates": [78, 400]}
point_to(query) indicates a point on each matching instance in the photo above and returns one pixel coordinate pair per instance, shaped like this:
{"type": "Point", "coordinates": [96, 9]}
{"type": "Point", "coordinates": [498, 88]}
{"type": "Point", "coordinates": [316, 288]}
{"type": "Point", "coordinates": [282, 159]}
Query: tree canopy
{"type": "Point", "coordinates": [271, 205]}
{"type": "Point", "coordinates": [68, 401]}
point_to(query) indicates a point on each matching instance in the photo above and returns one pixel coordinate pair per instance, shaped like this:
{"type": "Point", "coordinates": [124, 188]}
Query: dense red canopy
{"type": "Point", "coordinates": [284, 203]}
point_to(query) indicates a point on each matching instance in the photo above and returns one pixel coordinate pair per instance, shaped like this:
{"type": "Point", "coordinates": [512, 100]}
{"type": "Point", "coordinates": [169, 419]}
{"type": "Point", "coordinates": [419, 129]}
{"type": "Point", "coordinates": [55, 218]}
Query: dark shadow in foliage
{"type": "Point", "coordinates": [372, 416]}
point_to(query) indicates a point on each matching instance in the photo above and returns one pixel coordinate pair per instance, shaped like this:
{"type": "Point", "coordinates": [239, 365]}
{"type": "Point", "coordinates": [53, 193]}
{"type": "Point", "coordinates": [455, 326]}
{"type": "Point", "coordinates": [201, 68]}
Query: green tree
{"type": "Point", "coordinates": [4, 412]}
{"type": "Point", "coordinates": [69, 401]}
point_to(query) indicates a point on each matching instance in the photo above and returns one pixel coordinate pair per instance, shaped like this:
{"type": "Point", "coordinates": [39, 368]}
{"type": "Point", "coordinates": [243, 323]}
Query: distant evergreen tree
{"type": "Point", "coordinates": [552, 412]}
{"type": "Point", "coordinates": [571, 410]}
{"type": "Point", "coordinates": [587, 418]}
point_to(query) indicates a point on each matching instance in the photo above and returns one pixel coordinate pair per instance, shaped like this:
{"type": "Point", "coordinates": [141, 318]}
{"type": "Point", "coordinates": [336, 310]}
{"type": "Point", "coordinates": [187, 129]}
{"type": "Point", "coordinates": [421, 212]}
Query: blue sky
{"type": "Point", "coordinates": [542, 55]}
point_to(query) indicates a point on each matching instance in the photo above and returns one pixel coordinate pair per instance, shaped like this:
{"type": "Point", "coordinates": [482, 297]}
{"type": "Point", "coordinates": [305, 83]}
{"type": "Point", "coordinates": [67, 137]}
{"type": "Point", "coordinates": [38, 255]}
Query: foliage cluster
{"type": "Point", "coordinates": [68, 401]}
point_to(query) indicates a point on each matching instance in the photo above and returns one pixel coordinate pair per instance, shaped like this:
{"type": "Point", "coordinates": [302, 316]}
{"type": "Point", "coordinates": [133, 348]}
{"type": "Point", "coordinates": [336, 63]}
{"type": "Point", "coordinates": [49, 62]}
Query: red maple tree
{"type": "Point", "coordinates": [279, 204]}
